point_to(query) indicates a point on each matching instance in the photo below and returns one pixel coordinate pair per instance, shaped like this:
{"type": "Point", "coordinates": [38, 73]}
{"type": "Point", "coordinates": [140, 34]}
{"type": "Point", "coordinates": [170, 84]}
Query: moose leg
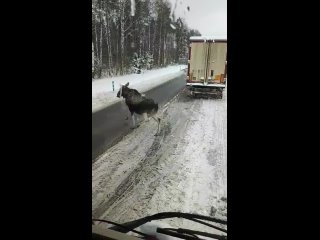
{"type": "Point", "coordinates": [133, 120]}
{"type": "Point", "coordinates": [145, 116]}
{"type": "Point", "coordinates": [158, 121]}
{"type": "Point", "coordinates": [158, 125]}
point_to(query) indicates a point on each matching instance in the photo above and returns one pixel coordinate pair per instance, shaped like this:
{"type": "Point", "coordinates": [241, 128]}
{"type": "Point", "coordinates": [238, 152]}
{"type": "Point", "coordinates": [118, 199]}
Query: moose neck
{"type": "Point", "coordinates": [125, 94]}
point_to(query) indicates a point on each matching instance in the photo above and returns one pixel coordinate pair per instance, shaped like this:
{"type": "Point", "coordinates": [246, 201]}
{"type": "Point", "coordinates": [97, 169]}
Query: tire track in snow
{"type": "Point", "coordinates": [145, 180]}
{"type": "Point", "coordinates": [134, 177]}
{"type": "Point", "coordinates": [145, 166]}
{"type": "Point", "coordinates": [164, 173]}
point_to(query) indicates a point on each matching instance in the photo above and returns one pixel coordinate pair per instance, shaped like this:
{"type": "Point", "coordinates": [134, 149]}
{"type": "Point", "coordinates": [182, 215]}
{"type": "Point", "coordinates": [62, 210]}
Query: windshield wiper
{"type": "Point", "coordinates": [193, 217]}
{"type": "Point", "coordinates": [191, 234]}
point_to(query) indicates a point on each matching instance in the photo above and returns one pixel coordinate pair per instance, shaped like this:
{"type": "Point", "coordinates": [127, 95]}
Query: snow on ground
{"type": "Point", "coordinates": [183, 169]}
{"type": "Point", "coordinates": [103, 94]}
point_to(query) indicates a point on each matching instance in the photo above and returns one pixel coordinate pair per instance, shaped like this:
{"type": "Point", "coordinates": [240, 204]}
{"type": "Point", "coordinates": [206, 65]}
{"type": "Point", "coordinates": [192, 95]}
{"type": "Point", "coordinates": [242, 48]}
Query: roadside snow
{"type": "Point", "coordinates": [198, 183]}
{"type": "Point", "coordinates": [103, 94]}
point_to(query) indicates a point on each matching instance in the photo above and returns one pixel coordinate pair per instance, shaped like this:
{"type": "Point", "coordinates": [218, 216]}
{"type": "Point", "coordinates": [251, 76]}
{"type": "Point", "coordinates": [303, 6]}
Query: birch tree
{"type": "Point", "coordinates": [124, 31]}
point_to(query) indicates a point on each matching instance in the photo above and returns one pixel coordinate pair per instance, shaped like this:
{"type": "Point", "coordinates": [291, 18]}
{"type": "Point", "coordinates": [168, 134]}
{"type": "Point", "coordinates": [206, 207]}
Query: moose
{"type": "Point", "coordinates": [139, 104]}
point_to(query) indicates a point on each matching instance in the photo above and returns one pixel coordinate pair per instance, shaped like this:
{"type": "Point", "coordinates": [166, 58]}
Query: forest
{"type": "Point", "coordinates": [136, 34]}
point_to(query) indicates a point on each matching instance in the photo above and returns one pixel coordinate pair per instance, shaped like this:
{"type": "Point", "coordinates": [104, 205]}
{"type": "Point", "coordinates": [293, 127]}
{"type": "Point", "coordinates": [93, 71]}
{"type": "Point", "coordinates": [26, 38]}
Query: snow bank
{"type": "Point", "coordinates": [208, 38]}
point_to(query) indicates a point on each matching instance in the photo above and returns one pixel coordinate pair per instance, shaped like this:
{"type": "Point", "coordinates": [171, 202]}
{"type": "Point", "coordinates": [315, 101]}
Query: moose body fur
{"type": "Point", "coordinates": [138, 104]}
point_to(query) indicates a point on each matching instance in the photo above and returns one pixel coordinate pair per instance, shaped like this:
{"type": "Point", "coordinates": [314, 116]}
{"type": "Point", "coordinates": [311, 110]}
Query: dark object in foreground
{"type": "Point", "coordinates": [179, 233]}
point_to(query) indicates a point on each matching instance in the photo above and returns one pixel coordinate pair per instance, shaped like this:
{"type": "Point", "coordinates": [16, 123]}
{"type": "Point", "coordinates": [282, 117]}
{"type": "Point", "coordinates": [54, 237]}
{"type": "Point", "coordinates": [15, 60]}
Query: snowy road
{"type": "Point", "coordinates": [184, 169]}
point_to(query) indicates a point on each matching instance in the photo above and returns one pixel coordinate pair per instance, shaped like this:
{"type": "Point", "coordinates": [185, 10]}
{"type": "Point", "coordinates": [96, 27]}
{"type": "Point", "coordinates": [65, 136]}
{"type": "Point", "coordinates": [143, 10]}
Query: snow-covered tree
{"type": "Point", "coordinates": [147, 29]}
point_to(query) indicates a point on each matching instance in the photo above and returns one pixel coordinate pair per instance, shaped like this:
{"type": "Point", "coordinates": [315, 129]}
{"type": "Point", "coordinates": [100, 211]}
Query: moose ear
{"type": "Point", "coordinates": [127, 84]}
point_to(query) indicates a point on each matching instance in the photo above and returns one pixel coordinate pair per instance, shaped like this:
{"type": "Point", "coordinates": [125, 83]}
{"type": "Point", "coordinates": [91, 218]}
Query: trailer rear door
{"type": "Point", "coordinates": [198, 62]}
{"type": "Point", "coordinates": [217, 62]}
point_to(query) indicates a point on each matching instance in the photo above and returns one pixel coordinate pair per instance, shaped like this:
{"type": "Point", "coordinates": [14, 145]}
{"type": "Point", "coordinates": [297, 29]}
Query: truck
{"type": "Point", "coordinates": [207, 66]}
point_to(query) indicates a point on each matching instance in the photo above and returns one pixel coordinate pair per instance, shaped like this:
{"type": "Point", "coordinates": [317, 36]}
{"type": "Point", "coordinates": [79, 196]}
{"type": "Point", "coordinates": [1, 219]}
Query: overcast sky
{"type": "Point", "coordinates": [207, 16]}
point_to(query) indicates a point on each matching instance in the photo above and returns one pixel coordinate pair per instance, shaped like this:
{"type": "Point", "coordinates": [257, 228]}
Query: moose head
{"type": "Point", "coordinates": [122, 90]}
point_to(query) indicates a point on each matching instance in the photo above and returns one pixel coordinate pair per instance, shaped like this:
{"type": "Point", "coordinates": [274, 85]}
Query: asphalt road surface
{"type": "Point", "coordinates": [110, 124]}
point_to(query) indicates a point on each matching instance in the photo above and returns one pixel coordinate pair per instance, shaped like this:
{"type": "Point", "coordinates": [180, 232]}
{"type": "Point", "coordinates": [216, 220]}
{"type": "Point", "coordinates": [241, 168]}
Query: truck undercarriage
{"type": "Point", "coordinates": [205, 91]}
